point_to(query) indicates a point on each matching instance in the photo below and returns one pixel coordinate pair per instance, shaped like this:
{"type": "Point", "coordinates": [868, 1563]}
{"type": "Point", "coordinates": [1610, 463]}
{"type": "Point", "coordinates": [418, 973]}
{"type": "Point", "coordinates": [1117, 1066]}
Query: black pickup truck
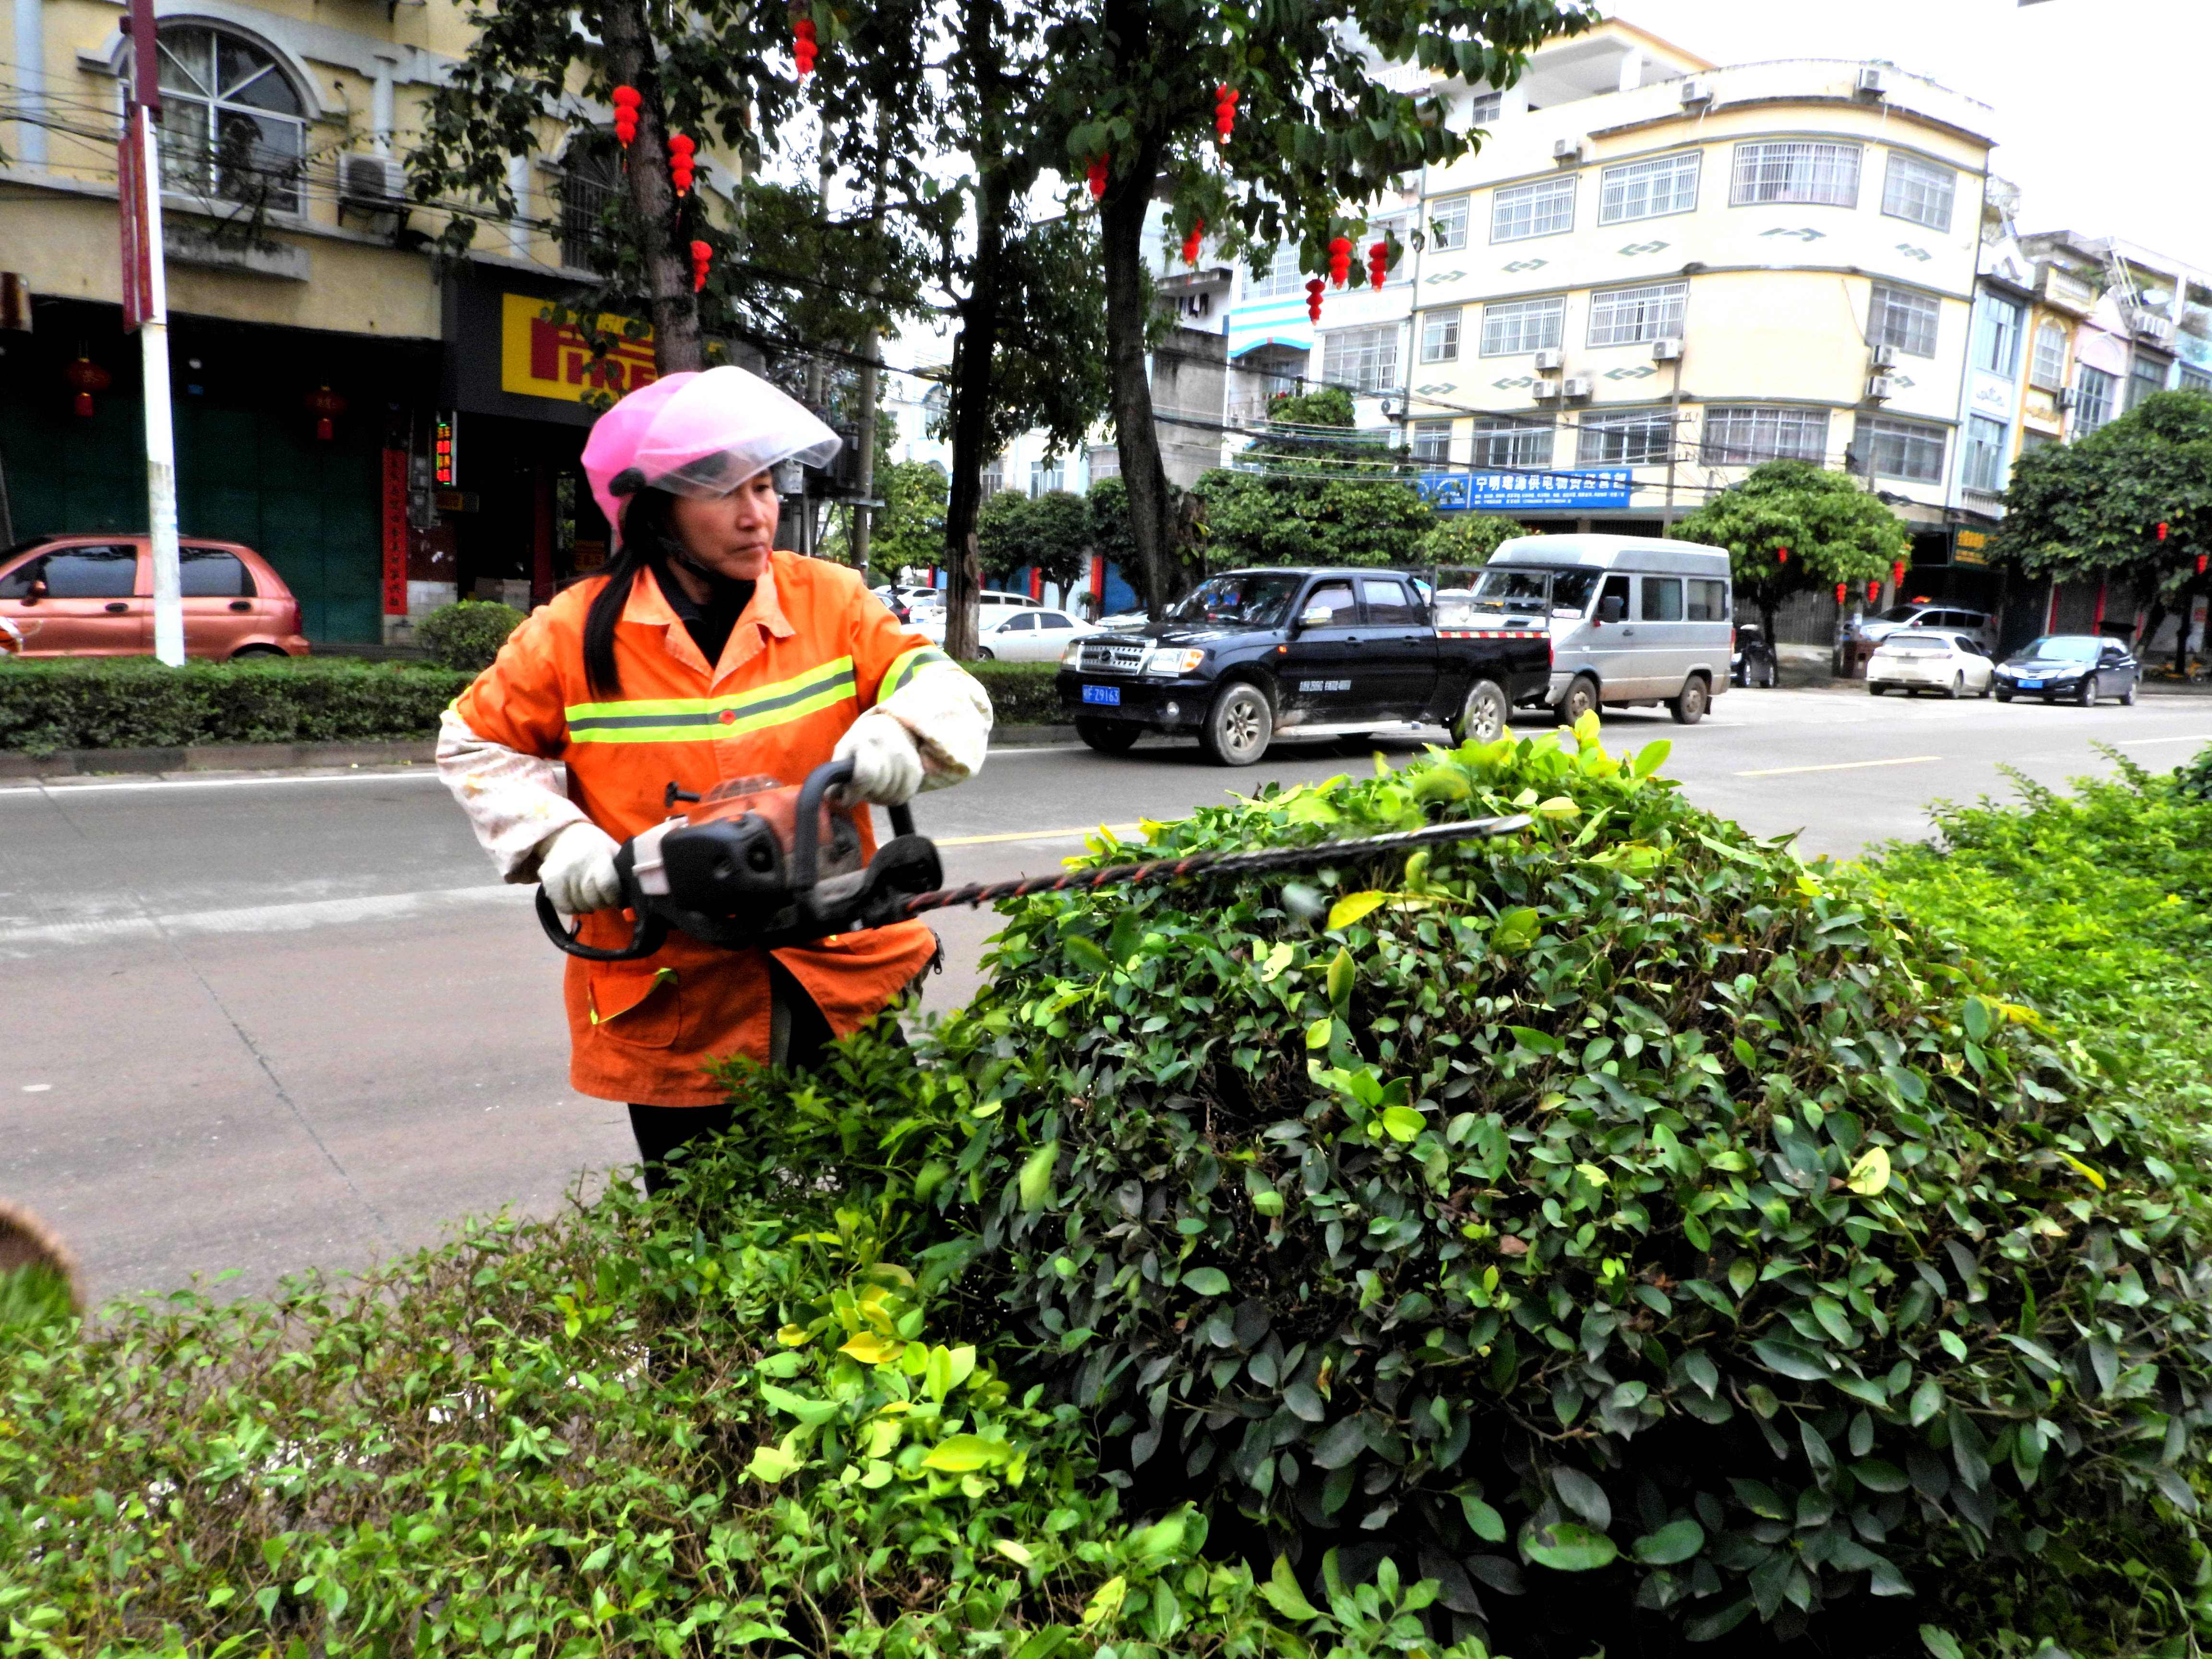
{"type": "Point", "coordinates": [1252, 655]}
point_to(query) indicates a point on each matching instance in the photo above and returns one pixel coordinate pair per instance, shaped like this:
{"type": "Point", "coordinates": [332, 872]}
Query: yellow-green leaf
{"type": "Point", "coordinates": [1401, 1123]}
{"type": "Point", "coordinates": [771, 1463]}
{"type": "Point", "coordinates": [871, 1349]}
{"type": "Point", "coordinates": [792, 1336]}
{"type": "Point", "coordinates": [1559, 806]}
{"type": "Point", "coordinates": [1034, 1182]}
{"type": "Point", "coordinates": [1277, 960]}
{"type": "Point", "coordinates": [1107, 1603]}
{"type": "Point", "coordinates": [1317, 1033]}
{"type": "Point", "coordinates": [1284, 1595]}
{"type": "Point", "coordinates": [1587, 729]}
{"type": "Point", "coordinates": [964, 1454]}
{"type": "Point", "coordinates": [1340, 973]}
{"type": "Point", "coordinates": [1019, 1554]}
{"type": "Point", "coordinates": [2087, 1174]}
{"type": "Point", "coordinates": [1353, 906]}
{"type": "Point", "coordinates": [1869, 1176]}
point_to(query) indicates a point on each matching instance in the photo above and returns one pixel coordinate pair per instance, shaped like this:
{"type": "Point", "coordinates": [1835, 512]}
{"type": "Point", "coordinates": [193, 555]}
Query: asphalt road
{"type": "Point", "coordinates": [267, 1023]}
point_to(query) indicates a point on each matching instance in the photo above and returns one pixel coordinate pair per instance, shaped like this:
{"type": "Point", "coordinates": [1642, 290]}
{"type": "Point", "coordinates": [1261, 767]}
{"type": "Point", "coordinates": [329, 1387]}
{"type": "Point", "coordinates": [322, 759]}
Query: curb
{"type": "Point", "coordinates": [287, 756]}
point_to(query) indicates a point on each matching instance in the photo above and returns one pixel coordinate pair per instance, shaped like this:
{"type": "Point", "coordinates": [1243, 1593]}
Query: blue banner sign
{"type": "Point", "coordinates": [1604, 488]}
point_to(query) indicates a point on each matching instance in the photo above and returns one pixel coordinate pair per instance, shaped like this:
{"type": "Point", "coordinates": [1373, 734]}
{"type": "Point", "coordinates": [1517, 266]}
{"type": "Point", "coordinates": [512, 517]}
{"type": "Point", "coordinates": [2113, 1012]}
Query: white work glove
{"type": "Point", "coordinates": [577, 866]}
{"type": "Point", "coordinates": [886, 763]}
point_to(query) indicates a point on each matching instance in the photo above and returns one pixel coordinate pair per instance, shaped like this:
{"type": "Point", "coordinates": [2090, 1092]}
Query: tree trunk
{"type": "Point", "coordinates": [974, 350]}
{"type": "Point", "coordinates": [871, 354]}
{"type": "Point", "coordinates": [677, 344]}
{"type": "Point", "coordinates": [1131, 296]}
{"type": "Point", "coordinates": [2184, 610]}
{"type": "Point", "coordinates": [2152, 623]}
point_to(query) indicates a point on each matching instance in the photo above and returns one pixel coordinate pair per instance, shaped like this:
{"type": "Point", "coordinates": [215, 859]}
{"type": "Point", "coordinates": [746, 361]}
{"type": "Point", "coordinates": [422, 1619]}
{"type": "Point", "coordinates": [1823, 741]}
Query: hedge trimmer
{"type": "Point", "coordinates": [755, 865]}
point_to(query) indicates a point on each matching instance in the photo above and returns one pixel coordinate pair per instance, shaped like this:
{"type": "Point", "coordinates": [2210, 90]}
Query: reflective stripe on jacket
{"type": "Point", "coordinates": [812, 652]}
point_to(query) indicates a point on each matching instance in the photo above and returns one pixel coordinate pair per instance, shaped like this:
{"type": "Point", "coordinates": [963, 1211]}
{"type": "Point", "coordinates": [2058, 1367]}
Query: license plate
{"type": "Point", "coordinates": [1108, 694]}
{"type": "Point", "coordinates": [2031, 685]}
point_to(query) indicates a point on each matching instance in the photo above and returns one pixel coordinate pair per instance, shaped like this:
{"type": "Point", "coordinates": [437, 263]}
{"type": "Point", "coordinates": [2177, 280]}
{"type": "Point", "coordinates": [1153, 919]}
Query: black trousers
{"type": "Point", "coordinates": [799, 1035]}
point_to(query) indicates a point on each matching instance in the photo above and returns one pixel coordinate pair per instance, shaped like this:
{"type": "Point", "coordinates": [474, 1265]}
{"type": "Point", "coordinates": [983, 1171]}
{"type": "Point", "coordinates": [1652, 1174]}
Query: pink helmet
{"type": "Point", "coordinates": [699, 435]}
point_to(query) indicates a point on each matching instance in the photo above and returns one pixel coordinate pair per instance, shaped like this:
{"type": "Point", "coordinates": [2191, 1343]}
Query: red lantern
{"type": "Point", "coordinates": [1315, 287]}
{"type": "Point", "coordinates": [325, 404]}
{"type": "Point", "coordinates": [1897, 572]}
{"type": "Point", "coordinates": [2202, 560]}
{"type": "Point", "coordinates": [626, 101]}
{"type": "Point", "coordinates": [702, 256]}
{"type": "Point", "coordinates": [1224, 113]}
{"type": "Point", "coordinates": [1873, 592]}
{"type": "Point", "coordinates": [1839, 594]}
{"type": "Point", "coordinates": [1781, 555]}
{"type": "Point", "coordinates": [1094, 176]}
{"type": "Point", "coordinates": [1378, 263]}
{"type": "Point", "coordinates": [805, 46]}
{"type": "Point", "coordinates": [2162, 530]}
{"type": "Point", "coordinates": [681, 149]}
{"type": "Point", "coordinates": [87, 377]}
{"type": "Point", "coordinates": [1190, 243]}
{"type": "Point", "coordinates": [1340, 259]}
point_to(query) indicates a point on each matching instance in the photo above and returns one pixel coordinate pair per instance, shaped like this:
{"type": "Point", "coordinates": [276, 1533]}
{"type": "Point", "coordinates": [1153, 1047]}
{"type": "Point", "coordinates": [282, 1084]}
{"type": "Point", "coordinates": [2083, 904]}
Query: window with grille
{"type": "Point", "coordinates": [1440, 337]}
{"type": "Point", "coordinates": [1918, 190]}
{"type": "Point", "coordinates": [1105, 464]}
{"type": "Point", "coordinates": [1505, 443]}
{"type": "Point", "coordinates": [2092, 400]}
{"type": "Point", "coordinates": [1448, 224]}
{"type": "Point", "coordinates": [1433, 441]}
{"type": "Point", "coordinates": [1823, 175]}
{"type": "Point", "coordinates": [1045, 477]}
{"type": "Point", "coordinates": [1745, 435]}
{"type": "Point", "coordinates": [1627, 316]}
{"type": "Point", "coordinates": [1985, 446]}
{"type": "Point", "coordinates": [1485, 106]}
{"type": "Point", "coordinates": [588, 182]}
{"type": "Point", "coordinates": [993, 478]}
{"type": "Point", "coordinates": [2145, 376]}
{"type": "Point", "coordinates": [232, 126]}
{"type": "Point", "coordinates": [1281, 277]}
{"type": "Point", "coordinates": [1512, 326]}
{"type": "Point", "coordinates": [1997, 324]}
{"type": "Point", "coordinates": [1900, 318]}
{"type": "Point", "coordinates": [2193, 379]}
{"type": "Point", "coordinates": [1365, 360]}
{"type": "Point", "coordinates": [1543, 208]}
{"type": "Point", "coordinates": [1648, 190]}
{"type": "Point", "coordinates": [1902, 449]}
{"type": "Point", "coordinates": [1640, 438]}
{"type": "Point", "coordinates": [1399, 225]}
{"type": "Point", "coordinates": [2048, 367]}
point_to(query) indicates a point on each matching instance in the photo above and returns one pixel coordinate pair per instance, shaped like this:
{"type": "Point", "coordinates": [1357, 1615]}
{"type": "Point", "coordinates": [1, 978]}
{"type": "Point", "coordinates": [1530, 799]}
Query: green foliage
{"type": "Point", "coordinates": [725, 1421]}
{"type": "Point", "coordinates": [129, 702]}
{"type": "Point", "coordinates": [1307, 517]}
{"type": "Point", "coordinates": [909, 532]}
{"type": "Point", "coordinates": [1466, 539]}
{"type": "Point", "coordinates": [1665, 1234]}
{"type": "Point", "coordinates": [1051, 531]}
{"type": "Point", "coordinates": [2093, 508]}
{"type": "Point", "coordinates": [2098, 906]}
{"type": "Point", "coordinates": [1110, 523]}
{"type": "Point", "coordinates": [1327, 405]}
{"type": "Point", "coordinates": [1834, 532]}
{"type": "Point", "coordinates": [469, 635]}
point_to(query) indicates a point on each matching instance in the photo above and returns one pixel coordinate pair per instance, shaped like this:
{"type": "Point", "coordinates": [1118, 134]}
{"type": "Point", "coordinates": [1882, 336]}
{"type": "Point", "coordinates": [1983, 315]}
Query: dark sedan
{"type": "Point", "coordinates": [2079, 667]}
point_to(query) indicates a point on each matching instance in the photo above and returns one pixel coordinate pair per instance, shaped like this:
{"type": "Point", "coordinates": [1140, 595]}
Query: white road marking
{"type": "Point", "coordinates": [257, 919]}
{"type": "Point", "coordinates": [2138, 743]}
{"type": "Point", "coordinates": [1038, 834]}
{"type": "Point", "coordinates": [413, 775]}
{"type": "Point", "coordinates": [1840, 766]}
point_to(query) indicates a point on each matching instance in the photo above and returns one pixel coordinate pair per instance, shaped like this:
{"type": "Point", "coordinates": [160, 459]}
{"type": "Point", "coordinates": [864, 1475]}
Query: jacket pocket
{"type": "Point", "coordinates": [635, 1004]}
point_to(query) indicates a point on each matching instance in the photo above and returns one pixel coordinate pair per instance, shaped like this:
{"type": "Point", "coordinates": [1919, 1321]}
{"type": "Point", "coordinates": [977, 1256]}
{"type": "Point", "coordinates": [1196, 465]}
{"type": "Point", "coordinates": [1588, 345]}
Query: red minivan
{"type": "Point", "coordinates": [92, 596]}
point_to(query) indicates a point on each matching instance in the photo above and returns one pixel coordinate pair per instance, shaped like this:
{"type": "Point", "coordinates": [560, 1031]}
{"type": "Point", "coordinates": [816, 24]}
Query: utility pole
{"type": "Point", "coordinates": [864, 472]}
{"type": "Point", "coordinates": [1674, 445]}
{"type": "Point", "coordinates": [146, 309]}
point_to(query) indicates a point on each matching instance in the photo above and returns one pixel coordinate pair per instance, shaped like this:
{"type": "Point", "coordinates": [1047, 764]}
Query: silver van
{"type": "Point", "coordinates": [1634, 619]}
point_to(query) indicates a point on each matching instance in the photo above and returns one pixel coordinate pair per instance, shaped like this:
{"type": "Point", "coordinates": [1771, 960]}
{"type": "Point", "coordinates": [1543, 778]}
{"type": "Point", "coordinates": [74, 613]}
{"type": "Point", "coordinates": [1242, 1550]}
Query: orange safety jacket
{"type": "Point", "coordinates": [812, 652]}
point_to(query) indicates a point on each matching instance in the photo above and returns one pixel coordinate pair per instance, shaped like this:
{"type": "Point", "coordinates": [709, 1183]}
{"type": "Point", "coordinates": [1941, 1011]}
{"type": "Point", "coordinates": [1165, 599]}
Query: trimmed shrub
{"type": "Point", "coordinates": [1021, 692]}
{"type": "Point", "coordinates": [1658, 1237]}
{"type": "Point", "coordinates": [467, 635]}
{"type": "Point", "coordinates": [127, 702]}
{"type": "Point", "coordinates": [720, 1422]}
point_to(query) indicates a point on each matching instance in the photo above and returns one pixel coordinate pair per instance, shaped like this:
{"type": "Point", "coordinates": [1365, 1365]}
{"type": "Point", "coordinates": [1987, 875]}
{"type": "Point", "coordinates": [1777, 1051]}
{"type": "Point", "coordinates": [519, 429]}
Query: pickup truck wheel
{"type": "Point", "coordinates": [1108, 737]}
{"type": "Point", "coordinates": [1689, 705]}
{"type": "Point", "coordinates": [1581, 699]}
{"type": "Point", "coordinates": [1482, 717]}
{"type": "Point", "coordinates": [1238, 725]}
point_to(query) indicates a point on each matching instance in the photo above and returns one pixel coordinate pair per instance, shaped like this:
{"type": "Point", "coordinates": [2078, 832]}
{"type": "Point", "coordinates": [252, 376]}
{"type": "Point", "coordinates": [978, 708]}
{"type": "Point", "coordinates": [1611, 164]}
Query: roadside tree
{"type": "Point", "coordinates": [1467, 539]}
{"type": "Point", "coordinates": [1790, 526]}
{"type": "Point", "coordinates": [909, 526]}
{"type": "Point", "coordinates": [2130, 504]}
{"type": "Point", "coordinates": [1313, 491]}
{"type": "Point", "coordinates": [1050, 533]}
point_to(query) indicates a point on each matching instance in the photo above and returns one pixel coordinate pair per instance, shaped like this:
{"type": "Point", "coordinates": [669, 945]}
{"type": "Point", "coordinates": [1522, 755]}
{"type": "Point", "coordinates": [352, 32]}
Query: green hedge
{"type": "Point", "coordinates": [468, 634]}
{"type": "Point", "coordinates": [133, 703]}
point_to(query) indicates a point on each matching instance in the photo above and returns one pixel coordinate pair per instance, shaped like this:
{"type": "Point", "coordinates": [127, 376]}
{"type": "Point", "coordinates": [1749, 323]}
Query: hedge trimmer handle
{"type": "Point", "coordinates": [648, 932]}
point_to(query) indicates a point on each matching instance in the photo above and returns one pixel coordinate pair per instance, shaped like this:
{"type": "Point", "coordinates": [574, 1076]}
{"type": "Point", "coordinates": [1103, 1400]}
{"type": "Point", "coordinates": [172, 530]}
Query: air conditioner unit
{"type": "Point", "coordinates": [1550, 360]}
{"type": "Point", "coordinates": [1567, 149]}
{"type": "Point", "coordinates": [1695, 89]}
{"type": "Point", "coordinates": [2064, 398]}
{"type": "Point", "coordinates": [374, 182]}
{"type": "Point", "coordinates": [1880, 386]}
{"type": "Point", "coordinates": [1874, 79]}
{"type": "Point", "coordinates": [1546, 388]}
{"type": "Point", "coordinates": [1666, 351]}
{"type": "Point", "coordinates": [1884, 356]}
{"type": "Point", "coordinates": [1575, 385]}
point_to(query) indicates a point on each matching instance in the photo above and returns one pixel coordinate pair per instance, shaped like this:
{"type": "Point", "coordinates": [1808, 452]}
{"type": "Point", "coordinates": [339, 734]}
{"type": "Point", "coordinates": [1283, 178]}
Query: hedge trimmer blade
{"type": "Point", "coordinates": [1215, 864]}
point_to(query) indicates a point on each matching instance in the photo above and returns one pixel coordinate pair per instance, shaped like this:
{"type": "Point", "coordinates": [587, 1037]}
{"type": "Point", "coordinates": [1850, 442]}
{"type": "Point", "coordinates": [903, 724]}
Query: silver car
{"type": "Point", "coordinates": [1950, 617]}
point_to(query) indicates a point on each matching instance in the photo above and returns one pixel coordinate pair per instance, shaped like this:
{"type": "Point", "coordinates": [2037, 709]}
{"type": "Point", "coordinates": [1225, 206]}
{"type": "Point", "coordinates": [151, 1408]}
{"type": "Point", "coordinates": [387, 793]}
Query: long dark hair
{"type": "Point", "coordinates": [645, 540]}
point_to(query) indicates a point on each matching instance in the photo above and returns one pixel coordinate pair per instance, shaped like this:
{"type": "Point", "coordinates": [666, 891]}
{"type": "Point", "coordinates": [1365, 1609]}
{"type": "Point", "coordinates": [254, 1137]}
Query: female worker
{"type": "Point", "coordinates": [702, 655]}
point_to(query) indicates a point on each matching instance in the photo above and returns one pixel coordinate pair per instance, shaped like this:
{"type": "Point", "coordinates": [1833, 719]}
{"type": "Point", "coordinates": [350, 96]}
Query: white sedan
{"type": "Point", "coordinates": [1917, 659]}
{"type": "Point", "coordinates": [1033, 633]}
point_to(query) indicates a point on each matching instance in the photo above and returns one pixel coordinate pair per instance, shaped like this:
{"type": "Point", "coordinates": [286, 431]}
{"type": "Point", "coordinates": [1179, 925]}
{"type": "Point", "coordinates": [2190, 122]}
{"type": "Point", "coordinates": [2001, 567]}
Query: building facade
{"type": "Point", "coordinates": [318, 359]}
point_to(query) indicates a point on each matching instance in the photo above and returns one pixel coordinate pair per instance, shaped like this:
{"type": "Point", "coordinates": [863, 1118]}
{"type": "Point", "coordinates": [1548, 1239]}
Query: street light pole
{"type": "Point", "coordinates": [146, 308]}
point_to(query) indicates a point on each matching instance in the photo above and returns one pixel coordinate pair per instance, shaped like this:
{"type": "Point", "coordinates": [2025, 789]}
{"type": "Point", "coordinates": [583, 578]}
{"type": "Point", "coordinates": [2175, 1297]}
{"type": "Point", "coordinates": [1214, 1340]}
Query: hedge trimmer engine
{"type": "Point", "coordinates": [756, 864]}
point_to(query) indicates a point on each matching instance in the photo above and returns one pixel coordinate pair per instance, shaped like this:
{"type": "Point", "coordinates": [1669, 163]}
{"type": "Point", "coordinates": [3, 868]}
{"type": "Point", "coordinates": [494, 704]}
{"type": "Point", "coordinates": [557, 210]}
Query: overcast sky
{"type": "Point", "coordinates": [2099, 106]}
